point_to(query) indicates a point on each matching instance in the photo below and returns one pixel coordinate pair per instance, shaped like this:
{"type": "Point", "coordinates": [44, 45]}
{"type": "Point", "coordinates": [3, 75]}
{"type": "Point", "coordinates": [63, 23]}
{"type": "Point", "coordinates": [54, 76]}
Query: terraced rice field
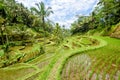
{"type": "Point", "coordinates": [99, 64]}
{"type": "Point", "coordinates": [71, 61]}
{"type": "Point", "coordinates": [17, 72]}
{"type": "Point", "coordinates": [68, 48]}
{"type": "Point", "coordinates": [26, 71]}
{"type": "Point", "coordinates": [29, 70]}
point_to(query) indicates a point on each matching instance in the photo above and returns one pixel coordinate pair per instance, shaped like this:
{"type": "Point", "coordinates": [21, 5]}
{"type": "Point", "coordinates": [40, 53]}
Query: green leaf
{"type": "Point", "coordinates": [1, 53]}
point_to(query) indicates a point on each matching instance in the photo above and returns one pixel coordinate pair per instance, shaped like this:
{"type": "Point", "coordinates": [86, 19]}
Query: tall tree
{"type": "Point", "coordinates": [42, 11]}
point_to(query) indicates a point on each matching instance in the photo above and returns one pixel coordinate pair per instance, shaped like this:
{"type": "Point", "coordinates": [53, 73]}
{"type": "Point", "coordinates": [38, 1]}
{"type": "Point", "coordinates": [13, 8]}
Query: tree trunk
{"type": "Point", "coordinates": [2, 39]}
{"type": "Point", "coordinates": [43, 24]}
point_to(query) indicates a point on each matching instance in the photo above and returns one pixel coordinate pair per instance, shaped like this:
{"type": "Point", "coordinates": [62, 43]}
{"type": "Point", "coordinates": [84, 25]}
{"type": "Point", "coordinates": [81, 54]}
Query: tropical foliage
{"type": "Point", "coordinates": [32, 47]}
{"type": "Point", "coordinates": [105, 14]}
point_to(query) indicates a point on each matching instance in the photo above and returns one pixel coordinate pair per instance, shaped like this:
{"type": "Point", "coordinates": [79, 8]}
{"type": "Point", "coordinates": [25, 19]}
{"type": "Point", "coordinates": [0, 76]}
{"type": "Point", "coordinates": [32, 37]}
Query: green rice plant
{"type": "Point", "coordinates": [118, 61]}
{"type": "Point", "coordinates": [110, 63]}
{"type": "Point", "coordinates": [81, 77]}
{"type": "Point", "coordinates": [95, 64]}
{"type": "Point", "coordinates": [65, 72]}
{"type": "Point", "coordinates": [15, 73]}
{"type": "Point", "coordinates": [107, 69]}
{"type": "Point", "coordinates": [97, 78]}
{"type": "Point", "coordinates": [104, 75]}
{"type": "Point", "coordinates": [106, 62]}
{"type": "Point", "coordinates": [91, 74]}
{"type": "Point", "coordinates": [86, 41]}
{"type": "Point", "coordinates": [119, 77]}
{"type": "Point", "coordinates": [113, 73]}
{"type": "Point", "coordinates": [69, 72]}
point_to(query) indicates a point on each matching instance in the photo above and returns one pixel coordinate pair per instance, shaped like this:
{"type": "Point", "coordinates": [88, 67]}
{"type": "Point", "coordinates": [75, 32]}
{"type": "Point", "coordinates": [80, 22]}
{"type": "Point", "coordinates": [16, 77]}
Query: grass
{"type": "Point", "coordinates": [104, 62]}
{"type": "Point", "coordinates": [38, 64]}
{"type": "Point", "coordinates": [55, 64]}
{"type": "Point", "coordinates": [15, 73]}
{"type": "Point", "coordinates": [59, 60]}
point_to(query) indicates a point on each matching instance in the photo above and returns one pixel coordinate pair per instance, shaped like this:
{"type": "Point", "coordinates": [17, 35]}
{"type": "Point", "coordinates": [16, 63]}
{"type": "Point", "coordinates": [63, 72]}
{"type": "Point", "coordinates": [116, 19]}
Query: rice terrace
{"type": "Point", "coordinates": [59, 39]}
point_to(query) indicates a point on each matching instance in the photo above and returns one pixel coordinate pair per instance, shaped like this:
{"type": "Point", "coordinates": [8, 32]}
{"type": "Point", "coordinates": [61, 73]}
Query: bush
{"type": "Point", "coordinates": [42, 51]}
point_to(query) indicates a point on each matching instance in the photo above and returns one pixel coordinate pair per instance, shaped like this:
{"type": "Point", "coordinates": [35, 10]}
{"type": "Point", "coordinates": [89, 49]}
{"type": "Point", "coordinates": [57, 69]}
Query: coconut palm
{"type": "Point", "coordinates": [42, 11]}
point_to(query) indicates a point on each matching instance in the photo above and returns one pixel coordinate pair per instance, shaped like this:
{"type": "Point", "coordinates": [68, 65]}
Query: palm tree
{"type": "Point", "coordinates": [42, 12]}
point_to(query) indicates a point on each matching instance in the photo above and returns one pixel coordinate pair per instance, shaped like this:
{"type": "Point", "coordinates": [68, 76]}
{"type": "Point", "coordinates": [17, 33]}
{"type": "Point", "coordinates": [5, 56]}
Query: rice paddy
{"type": "Point", "coordinates": [77, 58]}
{"type": "Point", "coordinates": [99, 64]}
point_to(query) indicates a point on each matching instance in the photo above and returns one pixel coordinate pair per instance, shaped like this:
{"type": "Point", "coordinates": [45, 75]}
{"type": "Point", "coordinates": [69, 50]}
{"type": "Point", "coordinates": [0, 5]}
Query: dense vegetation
{"type": "Point", "coordinates": [32, 47]}
{"type": "Point", "coordinates": [21, 28]}
{"type": "Point", "coordinates": [103, 19]}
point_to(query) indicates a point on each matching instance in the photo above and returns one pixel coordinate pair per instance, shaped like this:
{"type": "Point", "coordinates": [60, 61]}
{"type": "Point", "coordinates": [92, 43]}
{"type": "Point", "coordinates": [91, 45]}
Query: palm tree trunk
{"type": "Point", "coordinates": [2, 39]}
{"type": "Point", "coordinates": [7, 45]}
{"type": "Point", "coordinates": [43, 23]}
{"type": "Point", "coordinates": [2, 36]}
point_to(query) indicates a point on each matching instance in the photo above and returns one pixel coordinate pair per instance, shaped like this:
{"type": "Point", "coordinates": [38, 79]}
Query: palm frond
{"type": "Point", "coordinates": [41, 10]}
{"type": "Point", "coordinates": [42, 6]}
{"type": "Point", "coordinates": [35, 10]}
{"type": "Point", "coordinates": [49, 12]}
{"type": "Point", "coordinates": [38, 6]}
